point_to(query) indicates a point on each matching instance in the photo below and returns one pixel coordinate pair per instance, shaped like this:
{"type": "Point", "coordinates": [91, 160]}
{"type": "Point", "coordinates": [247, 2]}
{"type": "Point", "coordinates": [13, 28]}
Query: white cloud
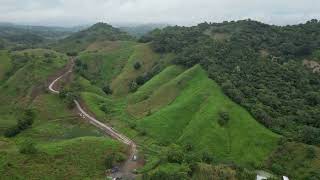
{"type": "Point", "coordinates": [185, 12]}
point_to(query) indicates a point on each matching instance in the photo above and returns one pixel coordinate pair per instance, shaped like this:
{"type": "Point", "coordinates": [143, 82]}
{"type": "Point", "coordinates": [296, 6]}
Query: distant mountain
{"type": "Point", "coordinates": [140, 30]}
{"type": "Point", "coordinates": [98, 32]}
{"type": "Point", "coordinates": [24, 36]}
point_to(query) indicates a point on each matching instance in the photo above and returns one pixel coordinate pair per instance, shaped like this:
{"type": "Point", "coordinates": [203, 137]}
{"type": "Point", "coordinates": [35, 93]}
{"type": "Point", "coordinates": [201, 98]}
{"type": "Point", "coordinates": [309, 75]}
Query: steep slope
{"type": "Point", "coordinates": [70, 159]}
{"type": "Point", "coordinates": [5, 65]}
{"type": "Point", "coordinates": [81, 40]}
{"type": "Point", "coordinates": [25, 78]}
{"type": "Point", "coordinates": [191, 117]}
{"type": "Point", "coordinates": [259, 66]}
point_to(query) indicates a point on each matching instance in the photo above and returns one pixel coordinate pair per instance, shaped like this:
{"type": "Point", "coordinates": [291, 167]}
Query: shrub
{"type": "Point", "coordinates": [223, 118]}
{"type": "Point", "coordinates": [140, 80]}
{"type": "Point", "coordinates": [72, 53]}
{"type": "Point", "coordinates": [133, 86]}
{"type": "Point", "coordinates": [28, 147]}
{"type": "Point", "coordinates": [137, 65]}
{"type": "Point", "coordinates": [175, 154]}
{"type": "Point", "coordinates": [12, 131]}
{"type": "Point", "coordinates": [104, 108]}
{"type": "Point", "coordinates": [206, 157]}
{"type": "Point", "coordinates": [23, 123]}
{"type": "Point", "coordinates": [106, 89]}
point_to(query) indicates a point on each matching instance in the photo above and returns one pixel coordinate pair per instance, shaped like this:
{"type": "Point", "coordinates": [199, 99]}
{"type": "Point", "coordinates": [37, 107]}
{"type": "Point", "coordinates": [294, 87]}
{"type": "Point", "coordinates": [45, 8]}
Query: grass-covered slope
{"type": "Point", "coordinates": [25, 77]}
{"type": "Point", "coordinates": [70, 159]}
{"type": "Point", "coordinates": [191, 116]}
{"type": "Point", "coordinates": [102, 66]}
{"type": "Point", "coordinates": [97, 33]}
{"type": "Point", "coordinates": [5, 64]}
{"type": "Point", "coordinates": [142, 54]}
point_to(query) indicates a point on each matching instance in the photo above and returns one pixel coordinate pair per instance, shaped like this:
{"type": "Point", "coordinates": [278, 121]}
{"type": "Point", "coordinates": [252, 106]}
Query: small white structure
{"type": "Point", "coordinates": [134, 158]}
{"type": "Point", "coordinates": [259, 177]}
{"type": "Point", "coordinates": [285, 178]}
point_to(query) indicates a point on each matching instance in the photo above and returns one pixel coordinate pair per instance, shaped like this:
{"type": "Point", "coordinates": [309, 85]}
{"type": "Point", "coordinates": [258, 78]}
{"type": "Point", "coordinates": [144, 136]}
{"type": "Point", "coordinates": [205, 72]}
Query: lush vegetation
{"type": "Point", "coordinates": [259, 66]}
{"type": "Point", "coordinates": [199, 101]}
{"type": "Point", "coordinates": [81, 40]}
{"type": "Point", "coordinates": [18, 37]}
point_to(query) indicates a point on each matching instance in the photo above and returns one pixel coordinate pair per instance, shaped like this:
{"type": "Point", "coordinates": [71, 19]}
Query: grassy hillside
{"type": "Point", "coordinates": [143, 55]}
{"type": "Point", "coordinates": [191, 117]}
{"type": "Point", "coordinates": [107, 63]}
{"type": "Point", "coordinates": [183, 107]}
{"type": "Point", "coordinates": [25, 81]}
{"type": "Point", "coordinates": [70, 159]}
{"type": "Point", "coordinates": [5, 64]}
{"type": "Point", "coordinates": [97, 33]}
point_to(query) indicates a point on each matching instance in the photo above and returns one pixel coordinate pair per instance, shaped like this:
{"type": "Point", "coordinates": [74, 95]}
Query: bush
{"type": "Point", "coordinates": [175, 154]}
{"type": "Point", "coordinates": [206, 157]}
{"type": "Point", "coordinates": [133, 86]}
{"type": "Point", "coordinates": [109, 161]}
{"type": "Point", "coordinates": [104, 108]}
{"type": "Point", "coordinates": [140, 80]}
{"type": "Point", "coordinates": [72, 53]}
{"type": "Point", "coordinates": [106, 89]}
{"type": "Point", "coordinates": [137, 65]}
{"type": "Point", "coordinates": [23, 123]}
{"type": "Point", "coordinates": [12, 131]}
{"type": "Point", "coordinates": [223, 118]}
{"type": "Point", "coordinates": [28, 147]}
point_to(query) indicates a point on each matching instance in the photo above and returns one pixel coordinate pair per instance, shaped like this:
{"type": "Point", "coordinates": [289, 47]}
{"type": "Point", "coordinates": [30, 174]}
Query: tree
{"type": "Point", "coordinates": [12, 131]}
{"type": "Point", "coordinates": [133, 86]}
{"type": "Point", "coordinates": [106, 89]}
{"type": "Point", "coordinates": [137, 65]}
{"type": "Point", "coordinates": [175, 154]}
{"type": "Point", "coordinates": [223, 118]}
{"type": "Point", "coordinates": [140, 80]}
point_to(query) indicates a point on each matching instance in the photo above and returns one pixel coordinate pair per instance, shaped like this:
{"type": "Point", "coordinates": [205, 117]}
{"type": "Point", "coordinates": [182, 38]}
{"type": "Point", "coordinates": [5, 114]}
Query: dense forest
{"type": "Point", "coordinates": [262, 67]}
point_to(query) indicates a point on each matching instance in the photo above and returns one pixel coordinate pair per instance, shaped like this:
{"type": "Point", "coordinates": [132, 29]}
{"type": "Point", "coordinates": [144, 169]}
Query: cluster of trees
{"type": "Point", "coordinates": [259, 66]}
{"type": "Point", "coordinates": [23, 123]}
{"type": "Point", "coordinates": [180, 162]}
{"type": "Point", "coordinates": [70, 93]}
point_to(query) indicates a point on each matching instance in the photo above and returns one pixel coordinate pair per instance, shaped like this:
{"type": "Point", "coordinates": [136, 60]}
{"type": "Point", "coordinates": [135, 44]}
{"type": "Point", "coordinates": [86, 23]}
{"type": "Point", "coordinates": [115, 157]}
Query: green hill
{"type": "Point", "coordinates": [81, 40]}
{"type": "Point", "coordinates": [70, 159]}
{"type": "Point", "coordinates": [190, 116]}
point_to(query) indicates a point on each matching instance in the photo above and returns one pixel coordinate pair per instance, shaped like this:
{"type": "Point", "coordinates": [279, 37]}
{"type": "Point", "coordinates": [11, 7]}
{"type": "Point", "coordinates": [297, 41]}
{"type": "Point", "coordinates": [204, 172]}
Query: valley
{"type": "Point", "coordinates": [197, 102]}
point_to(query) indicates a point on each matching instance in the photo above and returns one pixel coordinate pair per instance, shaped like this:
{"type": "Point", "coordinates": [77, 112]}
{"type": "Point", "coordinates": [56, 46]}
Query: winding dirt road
{"type": "Point", "coordinates": [127, 168]}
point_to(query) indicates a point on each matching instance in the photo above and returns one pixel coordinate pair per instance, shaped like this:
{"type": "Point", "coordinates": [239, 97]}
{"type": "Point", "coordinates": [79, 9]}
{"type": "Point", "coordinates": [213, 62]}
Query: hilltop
{"type": "Point", "coordinates": [99, 32]}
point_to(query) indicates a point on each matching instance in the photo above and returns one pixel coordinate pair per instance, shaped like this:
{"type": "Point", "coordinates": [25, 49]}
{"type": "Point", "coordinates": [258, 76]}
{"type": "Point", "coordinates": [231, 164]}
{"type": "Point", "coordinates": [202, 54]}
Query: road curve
{"type": "Point", "coordinates": [127, 166]}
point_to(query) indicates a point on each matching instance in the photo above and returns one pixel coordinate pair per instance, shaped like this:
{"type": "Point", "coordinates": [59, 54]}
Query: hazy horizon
{"type": "Point", "coordinates": [69, 13]}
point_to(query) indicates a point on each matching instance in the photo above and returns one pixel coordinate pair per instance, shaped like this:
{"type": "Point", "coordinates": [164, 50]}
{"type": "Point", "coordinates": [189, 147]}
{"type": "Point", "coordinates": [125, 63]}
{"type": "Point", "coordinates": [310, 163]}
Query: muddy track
{"type": "Point", "coordinates": [127, 168]}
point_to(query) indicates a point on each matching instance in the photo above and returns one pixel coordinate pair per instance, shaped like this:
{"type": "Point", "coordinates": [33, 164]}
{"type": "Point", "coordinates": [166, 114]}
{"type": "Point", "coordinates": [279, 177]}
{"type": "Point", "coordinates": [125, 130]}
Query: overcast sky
{"type": "Point", "coordinates": [181, 12]}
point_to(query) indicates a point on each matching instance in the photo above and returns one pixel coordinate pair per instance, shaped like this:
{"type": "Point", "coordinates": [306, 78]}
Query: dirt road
{"type": "Point", "coordinates": [127, 168]}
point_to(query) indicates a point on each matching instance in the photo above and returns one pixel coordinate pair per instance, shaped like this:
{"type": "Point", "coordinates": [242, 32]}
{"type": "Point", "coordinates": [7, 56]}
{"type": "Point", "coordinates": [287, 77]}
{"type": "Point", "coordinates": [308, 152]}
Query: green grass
{"type": "Point", "coordinates": [191, 117]}
{"type": "Point", "coordinates": [54, 121]}
{"type": "Point", "coordinates": [104, 66]}
{"type": "Point", "coordinates": [146, 90]}
{"type": "Point", "coordinates": [69, 159]}
{"type": "Point", "coordinates": [24, 84]}
{"type": "Point", "coordinates": [143, 54]}
{"type": "Point", "coordinates": [182, 107]}
{"type": "Point", "coordinates": [5, 64]}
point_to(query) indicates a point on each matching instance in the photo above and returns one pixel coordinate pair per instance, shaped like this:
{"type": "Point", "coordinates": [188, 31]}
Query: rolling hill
{"type": "Point", "coordinates": [201, 102]}
{"type": "Point", "coordinates": [100, 32]}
